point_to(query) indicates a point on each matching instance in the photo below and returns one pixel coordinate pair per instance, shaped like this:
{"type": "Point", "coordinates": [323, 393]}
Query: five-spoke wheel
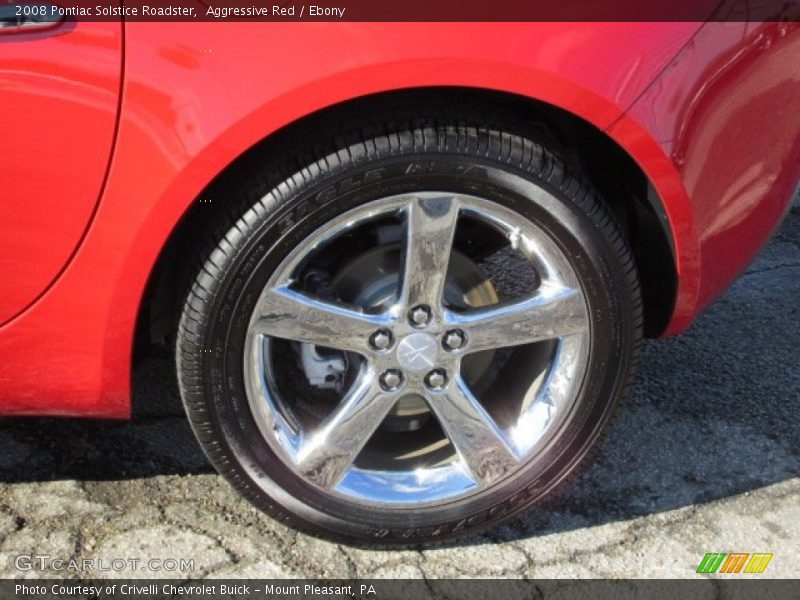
{"type": "Point", "coordinates": [413, 344]}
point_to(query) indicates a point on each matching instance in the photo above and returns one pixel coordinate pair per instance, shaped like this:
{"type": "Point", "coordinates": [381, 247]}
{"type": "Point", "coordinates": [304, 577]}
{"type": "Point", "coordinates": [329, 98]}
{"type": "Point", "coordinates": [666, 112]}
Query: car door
{"type": "Point", "coordinates": [59, 95]}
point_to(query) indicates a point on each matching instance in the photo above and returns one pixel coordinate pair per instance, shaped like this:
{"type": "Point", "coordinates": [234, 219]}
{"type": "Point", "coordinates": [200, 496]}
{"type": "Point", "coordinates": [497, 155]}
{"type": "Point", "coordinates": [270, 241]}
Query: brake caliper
{"type": "Point", "coordinates": [324, 368]}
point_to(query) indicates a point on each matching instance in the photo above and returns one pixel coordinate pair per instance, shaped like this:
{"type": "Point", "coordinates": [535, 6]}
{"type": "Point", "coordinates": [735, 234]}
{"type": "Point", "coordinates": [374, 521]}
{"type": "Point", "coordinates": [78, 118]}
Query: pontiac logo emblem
{"type": "Point", "coordinates": [417, 352]}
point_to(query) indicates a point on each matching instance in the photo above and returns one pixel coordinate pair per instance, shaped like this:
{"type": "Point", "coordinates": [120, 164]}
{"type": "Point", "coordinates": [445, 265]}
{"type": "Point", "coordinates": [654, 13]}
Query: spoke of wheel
{"type": "Point", "coordinates": [430, 229]}
{"type": "Point", "coordinates": [330, 450]}
{"type": "Point", "coordinates": [287, 314]}
{"type": "Point", "coordinates": [553, 312]}
{"type": "Point", "coordinates": [477, 439]}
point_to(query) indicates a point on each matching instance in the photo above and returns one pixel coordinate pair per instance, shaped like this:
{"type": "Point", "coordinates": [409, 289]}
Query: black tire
{"type": "Point", "coordinates": [506, 168]}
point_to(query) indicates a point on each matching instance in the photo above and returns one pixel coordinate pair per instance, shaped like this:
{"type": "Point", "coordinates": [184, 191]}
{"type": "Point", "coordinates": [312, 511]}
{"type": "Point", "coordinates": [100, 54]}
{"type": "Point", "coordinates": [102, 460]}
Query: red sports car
{"type": "Point", "coordinates": [403, 268]}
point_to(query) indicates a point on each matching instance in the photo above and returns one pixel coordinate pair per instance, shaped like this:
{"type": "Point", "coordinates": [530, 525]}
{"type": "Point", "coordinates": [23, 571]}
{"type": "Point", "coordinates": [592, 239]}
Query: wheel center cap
{"type": "Point", "coordinates": [417, 352]}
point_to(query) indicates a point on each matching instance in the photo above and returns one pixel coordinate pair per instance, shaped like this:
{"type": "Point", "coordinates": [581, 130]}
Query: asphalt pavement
{"type": "Point", "coordinates": [703, 457]}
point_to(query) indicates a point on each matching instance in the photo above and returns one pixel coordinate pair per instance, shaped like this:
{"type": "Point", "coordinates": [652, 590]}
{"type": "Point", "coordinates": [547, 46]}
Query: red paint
{"type": "Point", "coordinates": [58, 93]}
{"type": "Point", "coordinates": [728, 157]}
{"type": "Point", "coordinates": [196, 95]}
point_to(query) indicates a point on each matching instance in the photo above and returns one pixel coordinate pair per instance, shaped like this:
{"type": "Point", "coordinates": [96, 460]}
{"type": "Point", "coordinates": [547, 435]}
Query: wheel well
{"type": "Point", "coordinates": [586, 149]}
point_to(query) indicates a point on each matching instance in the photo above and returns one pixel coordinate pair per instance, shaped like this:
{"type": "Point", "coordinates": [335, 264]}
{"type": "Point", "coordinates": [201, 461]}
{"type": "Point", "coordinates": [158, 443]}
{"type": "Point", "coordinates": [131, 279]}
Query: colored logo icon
{"type": "Point", "coordinates": [734, 562]}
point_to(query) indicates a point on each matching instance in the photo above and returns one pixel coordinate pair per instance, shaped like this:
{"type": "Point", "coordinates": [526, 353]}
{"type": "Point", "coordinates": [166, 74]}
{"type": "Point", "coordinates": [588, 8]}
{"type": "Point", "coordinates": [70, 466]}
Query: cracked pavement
{"type": "Point", "coordinates": [703, 457]}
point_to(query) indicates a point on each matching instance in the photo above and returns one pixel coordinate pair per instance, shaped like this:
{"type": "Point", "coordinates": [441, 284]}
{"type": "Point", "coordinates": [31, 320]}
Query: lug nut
{"type": "Point", "coordinates": [454, 339]}
{"type": "Point", "coordinates": [381, 339]}
{"type": "Point", "coordinates": [391, 379]}
{"type": "Point", "coordinates": [419, 315]}
{"type": "Point", "coordinates": [436, 379]}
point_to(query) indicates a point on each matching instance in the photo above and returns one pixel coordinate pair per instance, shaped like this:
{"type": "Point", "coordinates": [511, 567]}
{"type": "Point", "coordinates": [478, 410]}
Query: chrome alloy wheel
{"type": "Point", "coordinates": [416, 345]}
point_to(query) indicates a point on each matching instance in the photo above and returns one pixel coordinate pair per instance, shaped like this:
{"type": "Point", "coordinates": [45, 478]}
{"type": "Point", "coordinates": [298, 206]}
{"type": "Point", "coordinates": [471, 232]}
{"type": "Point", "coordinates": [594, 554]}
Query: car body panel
{"type": "Point", "coordinates": [719, 137]}
{"type": "Point", "coordinates": [196, 95]}
{"type": "Point", "coordinates": [57, 91]}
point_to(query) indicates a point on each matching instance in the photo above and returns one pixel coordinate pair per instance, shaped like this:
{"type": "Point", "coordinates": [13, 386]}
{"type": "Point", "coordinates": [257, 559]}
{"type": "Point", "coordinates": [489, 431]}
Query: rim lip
{"type": "Point", "coordinates": [272, 423]}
